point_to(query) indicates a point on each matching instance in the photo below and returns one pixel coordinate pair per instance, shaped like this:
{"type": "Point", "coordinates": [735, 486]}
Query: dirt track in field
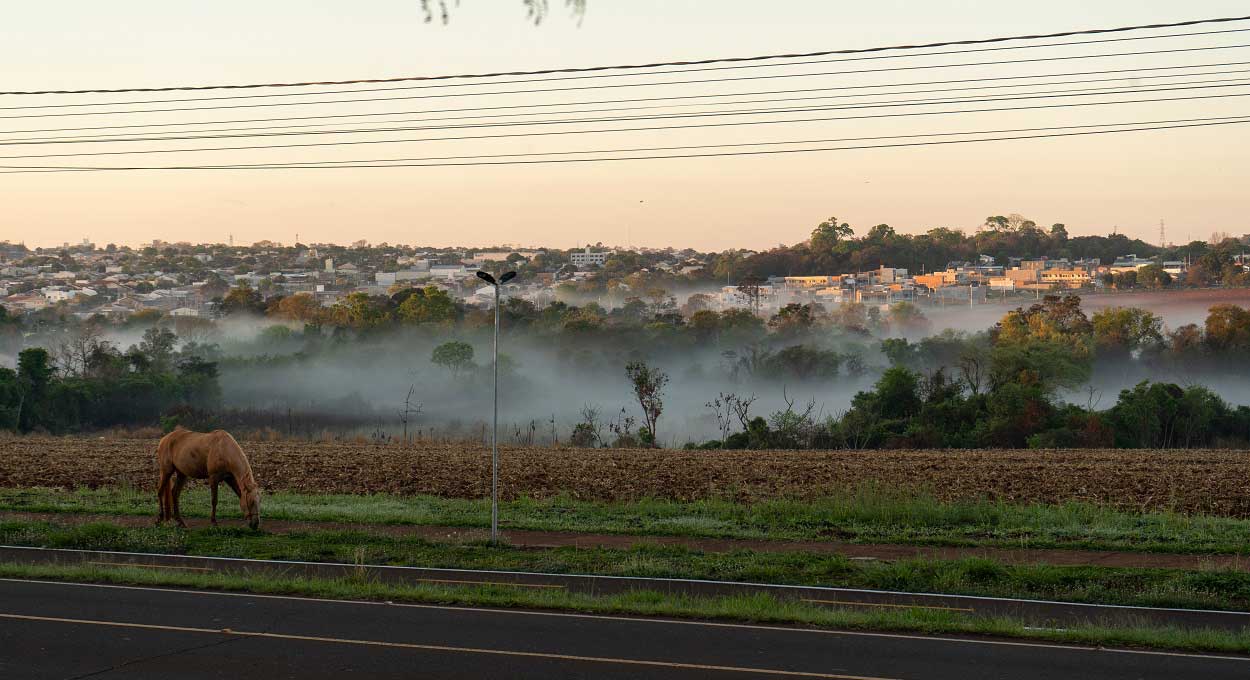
{"type": "Point", "coordinates": [1207, 481]}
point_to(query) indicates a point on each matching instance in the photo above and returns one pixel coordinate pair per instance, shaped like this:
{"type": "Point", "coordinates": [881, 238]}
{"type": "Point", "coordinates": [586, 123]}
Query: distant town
{"type": "Point", "coordinates": [194, 280]}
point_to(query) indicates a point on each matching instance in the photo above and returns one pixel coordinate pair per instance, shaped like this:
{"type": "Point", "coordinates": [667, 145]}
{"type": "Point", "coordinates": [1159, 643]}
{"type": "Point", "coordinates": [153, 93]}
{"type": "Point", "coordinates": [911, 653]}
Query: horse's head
{"type": "Point", "coordinates": [249, 503]}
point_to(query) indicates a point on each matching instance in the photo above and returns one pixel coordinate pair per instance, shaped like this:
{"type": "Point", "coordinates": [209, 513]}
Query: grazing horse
{"type": "Point", "coordinates": [214, 456]}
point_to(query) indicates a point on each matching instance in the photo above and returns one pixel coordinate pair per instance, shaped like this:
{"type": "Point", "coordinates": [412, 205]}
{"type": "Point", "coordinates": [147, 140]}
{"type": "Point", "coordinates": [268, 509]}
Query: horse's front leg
{"type": "Point", "coordinates": [212, 485]}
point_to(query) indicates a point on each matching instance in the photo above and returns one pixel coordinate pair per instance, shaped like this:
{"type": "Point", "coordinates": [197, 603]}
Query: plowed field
{"type": "Point", "coordinates": [1206, 481]}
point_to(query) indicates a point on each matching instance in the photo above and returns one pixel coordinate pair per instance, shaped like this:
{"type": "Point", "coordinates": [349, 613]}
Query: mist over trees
{"type": "Point", "coordinates": [1025, 382]}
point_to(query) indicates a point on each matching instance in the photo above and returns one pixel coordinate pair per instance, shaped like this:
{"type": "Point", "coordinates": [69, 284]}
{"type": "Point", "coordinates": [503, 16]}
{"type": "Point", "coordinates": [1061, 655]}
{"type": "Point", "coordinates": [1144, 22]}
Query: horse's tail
{"type": "Point", "coordinates": [162, 451]}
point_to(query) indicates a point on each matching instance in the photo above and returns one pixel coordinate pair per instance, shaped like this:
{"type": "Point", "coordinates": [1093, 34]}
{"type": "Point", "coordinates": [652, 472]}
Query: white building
{"type": "Point", "coordinates": [413, 263]}
{"type": "Point", "coordinates": [1129, 263]}
{"type": "Point", "coordinates": [1175, 267]}
{"type": "Point", "coordinates": [501, 255]}
{"type": "Point", "coordinates": [391, 278]}
{"type": "Point", "coordinates": [449, 271]}
{"type": "Point", "coordinates": [587, 258]}
{"type": "Point", "coordinates": [735, 296]}
{"type": "Point", "coordinates": [65, 293]}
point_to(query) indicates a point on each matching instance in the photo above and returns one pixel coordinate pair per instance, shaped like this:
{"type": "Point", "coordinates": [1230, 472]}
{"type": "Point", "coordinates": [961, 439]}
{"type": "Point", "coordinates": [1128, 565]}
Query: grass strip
{"type": "Point", "coordinates": [864, 515]}
{"type": "Point", "coordinates": [1193, 589]}
{"type": "Point", "coordinates": [752, 608]}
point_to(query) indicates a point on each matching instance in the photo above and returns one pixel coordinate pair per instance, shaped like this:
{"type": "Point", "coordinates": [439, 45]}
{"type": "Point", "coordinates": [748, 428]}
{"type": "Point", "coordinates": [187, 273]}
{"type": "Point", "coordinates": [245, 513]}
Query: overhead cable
{"type": "Point", "coordinates": [767, 57]}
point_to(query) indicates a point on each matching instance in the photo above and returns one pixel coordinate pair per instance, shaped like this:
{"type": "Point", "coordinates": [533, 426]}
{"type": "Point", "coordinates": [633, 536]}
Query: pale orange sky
{"type": "Point", "coordinates": [1195, 179]}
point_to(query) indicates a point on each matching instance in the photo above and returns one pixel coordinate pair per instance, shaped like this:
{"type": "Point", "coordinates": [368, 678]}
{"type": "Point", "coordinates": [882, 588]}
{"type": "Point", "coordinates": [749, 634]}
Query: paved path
{"type": "Point", "coordinates": [50, 630]}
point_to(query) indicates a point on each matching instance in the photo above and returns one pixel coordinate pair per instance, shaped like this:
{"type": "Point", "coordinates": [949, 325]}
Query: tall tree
{"type": "Point", "coordinates": [648, 385]}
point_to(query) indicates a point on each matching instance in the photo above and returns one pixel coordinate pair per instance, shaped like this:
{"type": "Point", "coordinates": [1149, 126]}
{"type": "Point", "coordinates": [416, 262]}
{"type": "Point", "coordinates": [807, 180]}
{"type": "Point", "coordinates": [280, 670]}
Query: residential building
{"type": "Point", "coordinates": [937, 280]}
{"type": "Point", "coordinates": [450, 271]}
{"type": "Point", "coordinates": [501, 255]}
{"type": "Point", "coordinates": [810, 281]}
{"type": "Point", "coordinates": [885, 294]}
{"type": "Point", "coordinates": [1175, 267]}
{"type": "Point", "coordinates": [1066, 278]}
{"type": "Point", "coordinates": [1023, 277]}
{"type": "Point", "coordinates": [586, 258]}
{"type": "Point", "coordinates": [391, 278]}
{"type": "Point", "coordinates": [733, 296]}
{"type": "Point", "coordinates": [1129, 263]}
{"type": "Point", "coordinates": [888, 275]}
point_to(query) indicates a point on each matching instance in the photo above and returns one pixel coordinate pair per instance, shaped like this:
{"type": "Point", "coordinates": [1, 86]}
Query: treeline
{"type": "Point", "coordinates": [1017, 384]}
{"type": "Point", "coordinates": [92, 384]}
{"type": "Point", "coordinates": [1003, 388]}
{"type": "Point", "coordinates": [834, 248]}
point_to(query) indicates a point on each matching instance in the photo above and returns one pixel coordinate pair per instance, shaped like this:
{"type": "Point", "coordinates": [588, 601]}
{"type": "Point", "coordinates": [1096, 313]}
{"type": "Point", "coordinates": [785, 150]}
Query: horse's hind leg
{"type": "Point", "coordinates": [174, 496]}
{"type": "Point", "coordinates": [162, 496]}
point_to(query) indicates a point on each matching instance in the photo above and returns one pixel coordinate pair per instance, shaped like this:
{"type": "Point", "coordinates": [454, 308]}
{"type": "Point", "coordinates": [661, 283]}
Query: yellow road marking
{"type": "Point", "coordinates": [897, 606]}
{"type": "Point", "coordinates": [440, 648]}
{"type": "Point", "coordinates": [149, 566]}
{"type": "Point", "coordinates": [633, 619]}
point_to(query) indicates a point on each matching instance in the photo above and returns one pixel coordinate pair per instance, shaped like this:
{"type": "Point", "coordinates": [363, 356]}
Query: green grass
{"type": "Point", "coordinates": [864, 515]}
{"type": "Point", "coordinates": [753, 608]}
{"type": "Point", "coordinates": [1205, 589]}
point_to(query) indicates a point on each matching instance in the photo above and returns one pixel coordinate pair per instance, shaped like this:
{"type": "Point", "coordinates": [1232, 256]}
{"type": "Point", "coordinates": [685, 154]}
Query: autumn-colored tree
{"type": "Point", "coordinates": [1122, 330]}
{"type": "Point", "coordinates": [428, 305]}
{"type": "Point", "coordinates": [1228, 328]}
{"type": "Point", "coordinates": [299, 307]}
{"type": "Point", "coordinates": [243, 299]}
{"type": "Point", "coordinates": [360, 311]}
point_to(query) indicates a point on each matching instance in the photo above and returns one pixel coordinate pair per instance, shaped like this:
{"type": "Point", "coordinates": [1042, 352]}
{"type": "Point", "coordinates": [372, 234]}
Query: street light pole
{"type": "Point", "coordinates": [494, 436]}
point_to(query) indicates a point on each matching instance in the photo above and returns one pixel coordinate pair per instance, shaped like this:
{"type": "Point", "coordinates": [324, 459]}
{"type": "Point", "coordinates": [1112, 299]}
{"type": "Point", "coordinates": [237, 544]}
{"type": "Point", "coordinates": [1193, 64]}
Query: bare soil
{"type": "Point", "coordinates": [1213, 482]}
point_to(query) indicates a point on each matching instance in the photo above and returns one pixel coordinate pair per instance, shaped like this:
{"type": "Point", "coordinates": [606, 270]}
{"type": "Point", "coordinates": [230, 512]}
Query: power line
{"type": "Point", "coordinates": [623, 85]}
{"type": "Point", "coordinates": [735, 144]}
{"type": "Point", "coordinates": [673, 127]}
{"type": "Point", "coordinates": [1102, 91]}
{"type": "Point", "coordinates": [629, 85]}
{"type": "Point", "coordinates": [630, 158]}
{"type": "Point", "coordinates": [613, 75]}
{"type": "Point", "coordinates": [114, 137]}
{"type": "Point", "coordinates": [671, 98]}
{"type": "Point", "coordinates": [796, 55]}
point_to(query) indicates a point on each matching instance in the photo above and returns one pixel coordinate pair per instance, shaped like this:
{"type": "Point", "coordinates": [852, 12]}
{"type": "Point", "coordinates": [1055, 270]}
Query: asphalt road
{"type": "Point", "coordinates": [55, 630]}
{"type": "Point", "coordinates": [1034, 612]}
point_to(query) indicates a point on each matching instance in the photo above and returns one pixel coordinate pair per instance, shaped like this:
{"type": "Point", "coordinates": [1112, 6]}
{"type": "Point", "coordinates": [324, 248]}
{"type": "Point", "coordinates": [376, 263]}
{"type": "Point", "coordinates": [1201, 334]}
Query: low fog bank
{"type": "Point", "coordinates": [369, 383]}
{"type": "Point", "coordinates": [366, 382]}
{"type": "Point", "coordinates": [1176, 308]}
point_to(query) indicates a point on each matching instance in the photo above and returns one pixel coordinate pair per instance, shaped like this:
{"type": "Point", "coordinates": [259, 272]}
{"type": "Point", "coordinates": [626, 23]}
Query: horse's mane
{"type": "Point", "coordinates": [245, 478]}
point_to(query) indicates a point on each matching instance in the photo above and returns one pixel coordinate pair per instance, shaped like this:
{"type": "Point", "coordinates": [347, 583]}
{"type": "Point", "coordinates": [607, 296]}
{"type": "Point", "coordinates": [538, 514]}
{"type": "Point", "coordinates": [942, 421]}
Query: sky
{"type": "Point", "coordinates": [1194, 179]}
